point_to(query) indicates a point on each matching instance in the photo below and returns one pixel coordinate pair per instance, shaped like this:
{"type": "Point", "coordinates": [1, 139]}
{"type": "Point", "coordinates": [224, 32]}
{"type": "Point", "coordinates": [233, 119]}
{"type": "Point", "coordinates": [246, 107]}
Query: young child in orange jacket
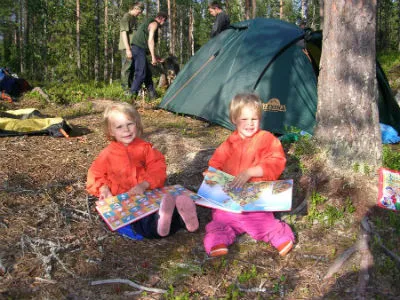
{"type": "Point", "coordinates": [130, 164]}
{"type": "Point", "coordinates": [250, 154]}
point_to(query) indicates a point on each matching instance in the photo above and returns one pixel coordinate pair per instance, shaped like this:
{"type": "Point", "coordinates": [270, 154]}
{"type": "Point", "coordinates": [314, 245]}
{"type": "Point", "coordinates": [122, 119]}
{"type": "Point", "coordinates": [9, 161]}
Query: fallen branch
{"type": "Point", "coordinates": [315, 257]}
{"type": "Point", "coordinates": [254, 290]}
{"type": "Point", "coordinates": [130, 283]}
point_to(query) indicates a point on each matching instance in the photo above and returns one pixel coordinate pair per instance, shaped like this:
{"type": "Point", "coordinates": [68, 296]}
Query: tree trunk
{"type": "Point", "coordinates": [347, 116]}
{"type": "Point", "coordinates": [398, 24]}
{"type": "Point", "coordinates": [247, 9]}
{"type": "Point", "coordinates": [78, 35]}
{"type": "Point", "coordinates": [321, 13]}
{"type": "Point", "coordinates": [181, 41]}
{"type": "Point", "coordinates": [170, 34]}
{"type": "Point", "coordinates": [304, 10]}
{"type": "Point", "coordinates": [254, 8]}
{"type": "Point", "coordinates": [18, 32]}
{"type": "Point", "coordinates": [173, 22]}
{"type": "Point", "coordinates": [97, 49]}
{"type": "Point", "coordinates": [24, 35]}
{"type": "Point", "coordinates": [191, 30]}
{"type": "Point", "coordinates": [105, 40]}
{"type": "Point", "coordinates": [281, 9]}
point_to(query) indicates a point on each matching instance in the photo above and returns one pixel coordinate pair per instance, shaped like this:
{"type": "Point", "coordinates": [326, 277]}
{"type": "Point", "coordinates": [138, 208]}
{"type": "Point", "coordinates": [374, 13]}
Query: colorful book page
{"type": "Point", "coordinates": [121, 210]}
{"type": "Point", "coordinates": [254, 196]}
{"type": "Point", "coordinates": [389, 189]}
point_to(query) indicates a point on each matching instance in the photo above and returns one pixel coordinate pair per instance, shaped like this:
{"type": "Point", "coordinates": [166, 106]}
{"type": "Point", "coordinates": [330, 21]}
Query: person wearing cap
{"type": "Point", "coordinates": [128, 26]}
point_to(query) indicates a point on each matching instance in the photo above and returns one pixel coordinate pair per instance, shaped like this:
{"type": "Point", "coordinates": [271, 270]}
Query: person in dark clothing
{"type": "Point", "coordinates": [145, 40]}
{"type": "Point", "coordinates": [128, 27]}
{"type": "Point", "coordinates": [222, 19]}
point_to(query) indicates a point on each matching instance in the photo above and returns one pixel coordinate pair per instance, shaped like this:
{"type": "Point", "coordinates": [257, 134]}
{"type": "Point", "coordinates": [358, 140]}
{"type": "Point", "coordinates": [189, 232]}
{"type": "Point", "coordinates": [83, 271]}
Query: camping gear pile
{"type": "Point", "coordinates": [267, 57]}
{"type": "Point", "coordinates": [12, 87]}
{"type": "Point", "coordinates": [30, 121]}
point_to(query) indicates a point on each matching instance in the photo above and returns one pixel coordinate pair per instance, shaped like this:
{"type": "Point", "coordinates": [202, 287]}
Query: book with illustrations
{"type": "Point", "coordinates": [216, 192]}
{"type": "Point", "coordinates": [121, 210]}
{"type": "Point", "coordinates": [389, 189]}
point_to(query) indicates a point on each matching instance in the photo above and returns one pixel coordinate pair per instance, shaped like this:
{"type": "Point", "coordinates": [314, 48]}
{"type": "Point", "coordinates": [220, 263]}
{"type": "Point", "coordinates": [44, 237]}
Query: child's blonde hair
{"type": "Point", "coordinates": [128, 110]}
{"type": "Point", "coordinates": [242, 100]}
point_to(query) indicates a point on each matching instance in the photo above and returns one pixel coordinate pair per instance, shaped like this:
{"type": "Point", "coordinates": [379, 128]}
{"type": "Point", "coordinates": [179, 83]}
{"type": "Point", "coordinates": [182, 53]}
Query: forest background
{"type": "Point", "coordinates": [50, 41]}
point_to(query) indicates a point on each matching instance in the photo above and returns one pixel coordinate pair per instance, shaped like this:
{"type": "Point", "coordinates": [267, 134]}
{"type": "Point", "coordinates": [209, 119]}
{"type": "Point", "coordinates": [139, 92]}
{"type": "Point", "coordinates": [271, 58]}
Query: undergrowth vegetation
{"type": "Point", "coordinates": [390, 62]}
{"type": "Point", "coordinates": [76, 92]}
{"type": "Point", "coordinates": [391, 157]}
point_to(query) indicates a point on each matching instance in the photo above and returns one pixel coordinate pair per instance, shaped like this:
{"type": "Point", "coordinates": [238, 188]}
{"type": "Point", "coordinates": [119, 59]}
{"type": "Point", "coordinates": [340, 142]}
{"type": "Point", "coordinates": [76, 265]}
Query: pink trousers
{"type": "Point", "coordinates": [261, 226]}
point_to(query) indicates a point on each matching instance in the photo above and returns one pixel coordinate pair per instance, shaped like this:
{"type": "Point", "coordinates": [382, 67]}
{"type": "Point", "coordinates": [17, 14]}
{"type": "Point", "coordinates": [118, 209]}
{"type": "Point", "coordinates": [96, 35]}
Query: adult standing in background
{"type": "Point", "coordinates": [145, 40]}
{"type": "Point", "coordinates": [127, 27]}
{"type": "Point", "coordinates": [222, 19]}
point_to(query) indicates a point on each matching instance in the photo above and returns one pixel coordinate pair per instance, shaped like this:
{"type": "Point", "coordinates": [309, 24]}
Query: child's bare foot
{"type": "Point", "coordinates": [187, 210]}
{"type": "Point", "coordinates": [166, 210]}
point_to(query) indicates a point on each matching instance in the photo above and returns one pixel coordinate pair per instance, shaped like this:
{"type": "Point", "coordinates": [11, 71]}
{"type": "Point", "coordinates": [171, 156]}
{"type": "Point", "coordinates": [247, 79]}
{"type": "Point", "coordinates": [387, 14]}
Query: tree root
{"type": "Point", "coordinates": [366, 262]}
{"type": "Point", "coordinates": [389, 253]}
{"type": "Point", "coordinates": [130, 283]}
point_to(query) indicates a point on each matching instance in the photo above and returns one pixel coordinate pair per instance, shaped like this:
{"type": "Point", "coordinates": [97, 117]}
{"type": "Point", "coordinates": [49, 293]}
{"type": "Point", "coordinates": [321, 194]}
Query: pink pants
{"type": "Point", "coordinates": [261, 226]}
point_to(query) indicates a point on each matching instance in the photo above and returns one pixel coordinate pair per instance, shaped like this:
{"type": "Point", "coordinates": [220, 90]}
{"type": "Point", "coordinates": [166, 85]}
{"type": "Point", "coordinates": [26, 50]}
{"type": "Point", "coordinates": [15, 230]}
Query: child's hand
{"type": "Point", "coordinates": [105, 192]}
{"type": "Point", "coordinates": [241, 179]}
{"type": "Point", "coordinates": [139, 188]}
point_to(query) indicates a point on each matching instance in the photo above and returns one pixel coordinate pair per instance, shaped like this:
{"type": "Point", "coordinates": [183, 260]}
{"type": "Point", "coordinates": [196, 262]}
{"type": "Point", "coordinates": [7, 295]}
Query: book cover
{"type": "Point", "coordinates": [254, 196]}
{"type": "Point", "coordinates": [389, 189]}
{"type": "Point", "coordinates": [121, 210]}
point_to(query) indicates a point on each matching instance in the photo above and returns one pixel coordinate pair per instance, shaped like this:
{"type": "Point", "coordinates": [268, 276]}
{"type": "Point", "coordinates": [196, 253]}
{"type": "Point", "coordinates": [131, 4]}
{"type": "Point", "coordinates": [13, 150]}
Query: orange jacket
{"type": "Point", "coordinates": [262, 149]}
{"type": "Point", "coordinates": [122, 167]}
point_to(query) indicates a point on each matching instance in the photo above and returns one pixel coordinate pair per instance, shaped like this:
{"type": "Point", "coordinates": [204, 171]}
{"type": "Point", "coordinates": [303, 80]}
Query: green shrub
{"type": "Point", "coordinates": [391, 158]}
{"type": "Point", "coordinates": [388, 60]}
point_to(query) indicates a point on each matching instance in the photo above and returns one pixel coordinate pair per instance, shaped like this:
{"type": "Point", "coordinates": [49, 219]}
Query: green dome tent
{"type": "Point", "coordinates": [263, 56]}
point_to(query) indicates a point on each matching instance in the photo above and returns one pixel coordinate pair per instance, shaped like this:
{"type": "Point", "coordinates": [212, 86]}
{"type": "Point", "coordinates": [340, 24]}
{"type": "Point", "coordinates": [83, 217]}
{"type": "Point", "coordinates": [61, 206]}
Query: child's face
{"type": "Point", "coordinates": [122, 128]}
{"type": "Point", "coordinates": [248, 122]}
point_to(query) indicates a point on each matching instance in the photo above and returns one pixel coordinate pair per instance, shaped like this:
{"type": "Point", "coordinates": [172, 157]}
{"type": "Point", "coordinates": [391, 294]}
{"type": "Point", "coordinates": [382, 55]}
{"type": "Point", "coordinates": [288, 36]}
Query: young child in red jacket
{"type": "Point", "coordinates": [130, 164]}
{"type": "Point", "coordinates": [249, 154]}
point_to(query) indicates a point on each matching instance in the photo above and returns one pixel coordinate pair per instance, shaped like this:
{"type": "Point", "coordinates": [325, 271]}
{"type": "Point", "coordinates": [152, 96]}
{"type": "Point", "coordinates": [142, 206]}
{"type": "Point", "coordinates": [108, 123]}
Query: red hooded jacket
{"type": "Point", "coordinates": [262, 149]}
{"type": "Point", "coordinates": [122, 167]}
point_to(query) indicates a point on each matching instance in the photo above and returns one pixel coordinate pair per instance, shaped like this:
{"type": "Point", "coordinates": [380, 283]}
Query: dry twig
{"type": "Point", "coordinates": [130, 283]}
{"type": "Point", "coordinates": [39, 245]}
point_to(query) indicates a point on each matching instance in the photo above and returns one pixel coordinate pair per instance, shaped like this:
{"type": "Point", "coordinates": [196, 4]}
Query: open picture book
{"type": "Point", "coordinates": [121, 210]}
{"type": "Point", "coordinates": [389, 189]}
{"type": "Point", "coordinates": [216, 192]}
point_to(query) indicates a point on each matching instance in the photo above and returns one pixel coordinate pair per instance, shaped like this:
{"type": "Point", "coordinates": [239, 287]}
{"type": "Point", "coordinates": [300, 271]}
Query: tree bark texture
{"type": "Point", "coordinates": [398, 25]}
{"type": "Point", "coordinates": [190, 35]}
{"type": "Point", "coordinates": [321, 13]}
{"type": "Point", "coordinates": [173, 21]}
{"type": "Point", "coordinates": [78, 35]}
{"type": "Point", "coordinates": [106, 40]}
{"type": "Point", "coordinates": [254, 9]}
{"type": "Point", "coordinates": [347, 114]}
{"type": "Point", "coordinates": [97, 49]}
